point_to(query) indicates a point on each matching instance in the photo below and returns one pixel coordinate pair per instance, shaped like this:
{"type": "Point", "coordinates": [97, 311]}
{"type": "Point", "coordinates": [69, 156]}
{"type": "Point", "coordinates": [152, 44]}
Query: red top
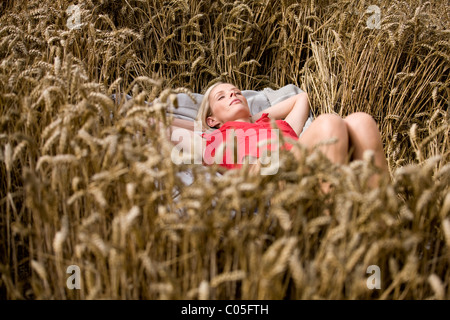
{"type": "Point", "coordinates": [247, 136]}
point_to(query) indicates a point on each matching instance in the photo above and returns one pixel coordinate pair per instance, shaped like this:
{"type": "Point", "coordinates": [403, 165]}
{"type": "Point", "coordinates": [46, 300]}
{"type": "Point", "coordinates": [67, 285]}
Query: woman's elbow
{"type": "Point", "coordinates": [303, 101]}
{"type": "Point", "coordinates": [303, 95]}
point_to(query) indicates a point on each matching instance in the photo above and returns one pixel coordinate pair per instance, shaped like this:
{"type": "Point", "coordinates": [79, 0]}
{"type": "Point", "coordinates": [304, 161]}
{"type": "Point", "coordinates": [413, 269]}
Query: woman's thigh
{"type": "Point", "coordinates": [324, 127]}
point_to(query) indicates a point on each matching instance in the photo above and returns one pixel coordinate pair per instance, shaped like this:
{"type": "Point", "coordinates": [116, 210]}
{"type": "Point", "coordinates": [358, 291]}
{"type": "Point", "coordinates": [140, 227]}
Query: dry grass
{"type": "Point", "coordinates": [91, 183]}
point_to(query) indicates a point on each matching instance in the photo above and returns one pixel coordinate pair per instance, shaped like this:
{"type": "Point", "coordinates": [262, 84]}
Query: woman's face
{"type": "Point", "coordinates": [227, 104]}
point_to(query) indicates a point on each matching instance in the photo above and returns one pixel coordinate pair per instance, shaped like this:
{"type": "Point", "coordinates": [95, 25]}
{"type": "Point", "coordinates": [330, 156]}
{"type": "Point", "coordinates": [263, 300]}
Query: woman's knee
{"type": "Point", "coordinates": [331, 125]}
{"type": "Point", "coordinates": [360, 120]}
{"type": "Point", "coordinates": [328, 127]}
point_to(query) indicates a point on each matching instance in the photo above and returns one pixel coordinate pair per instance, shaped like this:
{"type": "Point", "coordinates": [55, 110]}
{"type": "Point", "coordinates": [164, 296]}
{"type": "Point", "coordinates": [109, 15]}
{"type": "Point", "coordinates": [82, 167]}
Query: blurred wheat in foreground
{"type": "Point", "coordinates": [89, 182]}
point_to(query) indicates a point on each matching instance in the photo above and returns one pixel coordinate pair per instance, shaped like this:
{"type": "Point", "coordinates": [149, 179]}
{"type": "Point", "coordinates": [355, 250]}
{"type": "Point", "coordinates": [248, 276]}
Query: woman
{"type": "Point", "coordinates": [224, 107]}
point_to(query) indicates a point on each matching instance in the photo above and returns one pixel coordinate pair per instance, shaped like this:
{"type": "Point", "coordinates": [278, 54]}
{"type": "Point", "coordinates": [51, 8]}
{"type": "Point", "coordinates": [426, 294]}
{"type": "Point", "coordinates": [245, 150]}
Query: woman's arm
{"type": "Point", "coordinates": [294, 110]}
{"type": "Point", "coordinates": [181, 123]}
{"type": "Point", "coordinates": [188, 144]}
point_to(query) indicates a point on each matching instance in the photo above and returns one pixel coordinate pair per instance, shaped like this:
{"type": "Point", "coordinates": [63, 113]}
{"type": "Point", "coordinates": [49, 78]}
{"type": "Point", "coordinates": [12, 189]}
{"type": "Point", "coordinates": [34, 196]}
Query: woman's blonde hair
{"type": "Point", "coordinates": [205, 107]}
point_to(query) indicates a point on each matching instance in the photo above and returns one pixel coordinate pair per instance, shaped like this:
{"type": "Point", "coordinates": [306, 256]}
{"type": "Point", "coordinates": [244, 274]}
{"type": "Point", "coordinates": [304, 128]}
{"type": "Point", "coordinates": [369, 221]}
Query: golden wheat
{"type": "Point", "coordinates": [88, 180]}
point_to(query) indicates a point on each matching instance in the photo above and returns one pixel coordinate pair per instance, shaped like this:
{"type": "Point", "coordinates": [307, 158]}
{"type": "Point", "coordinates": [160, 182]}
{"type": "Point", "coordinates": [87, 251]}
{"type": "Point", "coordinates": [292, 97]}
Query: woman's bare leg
{"type": "Point", "coordinates": [324, 127]}
{"type": "Point", "coordinates": [364, 135]}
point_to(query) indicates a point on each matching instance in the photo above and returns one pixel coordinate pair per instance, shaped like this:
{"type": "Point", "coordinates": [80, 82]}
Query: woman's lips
{"type": "Point", "coordinates": [235, 101]}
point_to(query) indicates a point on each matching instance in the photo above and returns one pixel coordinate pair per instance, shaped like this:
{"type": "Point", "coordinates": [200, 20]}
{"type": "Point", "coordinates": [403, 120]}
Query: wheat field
{"type": "Point", "coordinates": [89, 182]}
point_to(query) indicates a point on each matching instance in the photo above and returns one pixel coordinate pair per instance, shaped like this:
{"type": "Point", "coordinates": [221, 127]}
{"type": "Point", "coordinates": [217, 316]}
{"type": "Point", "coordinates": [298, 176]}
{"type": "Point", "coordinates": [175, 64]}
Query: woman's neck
{"type": "Point", "coordinates": [249, 119]}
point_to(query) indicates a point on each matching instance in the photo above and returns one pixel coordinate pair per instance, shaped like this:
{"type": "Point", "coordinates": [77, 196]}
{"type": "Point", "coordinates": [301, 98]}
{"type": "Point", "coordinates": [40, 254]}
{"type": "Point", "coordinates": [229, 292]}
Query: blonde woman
{"type": "Point", "coordinates": [224, 109]}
